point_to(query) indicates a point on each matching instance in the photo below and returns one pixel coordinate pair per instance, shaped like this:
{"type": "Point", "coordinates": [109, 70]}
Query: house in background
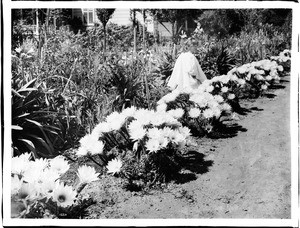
{"type": "Point", "coordinates": [121, 16]}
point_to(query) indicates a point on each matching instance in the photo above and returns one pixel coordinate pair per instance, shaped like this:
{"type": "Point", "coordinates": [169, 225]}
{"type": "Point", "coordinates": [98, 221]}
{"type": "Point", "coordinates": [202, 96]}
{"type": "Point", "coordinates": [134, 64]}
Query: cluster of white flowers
{"type": "Point", "coordinates": [141, 127]}
{"type": "Point", "coordinates": [91, 143]}
{"type": "Point", "coordinates": [283, 57]}
{"type": "Point", "coordinates": [157, 129]}
{"type": "Point", "coordinates": [204, 104]}
{"type": "Point", "coordinates": [40, 178]}
{"type": "Point", "coordinates": [262, 71]}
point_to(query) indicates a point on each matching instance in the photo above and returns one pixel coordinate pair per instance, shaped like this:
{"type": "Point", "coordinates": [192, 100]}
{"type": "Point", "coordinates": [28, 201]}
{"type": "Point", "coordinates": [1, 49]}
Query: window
{"type": "Point", "coordinates": [88, 16]}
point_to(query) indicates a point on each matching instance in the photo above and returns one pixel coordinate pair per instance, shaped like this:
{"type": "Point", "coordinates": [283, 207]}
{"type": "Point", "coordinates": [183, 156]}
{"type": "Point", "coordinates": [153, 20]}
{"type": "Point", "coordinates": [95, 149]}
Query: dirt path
{"type": "Point", "coordinates": [245, 176]}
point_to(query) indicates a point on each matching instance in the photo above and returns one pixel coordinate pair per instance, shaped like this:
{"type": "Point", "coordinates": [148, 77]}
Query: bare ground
{"type": "Point", "coordinates": [246, 174]}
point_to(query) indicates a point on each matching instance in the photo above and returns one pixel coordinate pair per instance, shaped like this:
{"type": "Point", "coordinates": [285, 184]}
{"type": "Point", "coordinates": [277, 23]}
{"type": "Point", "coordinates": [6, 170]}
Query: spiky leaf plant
{"type": "Point", "coordinates": [225, 61]}
{"type": "Point", "coordinates": [31, 130]}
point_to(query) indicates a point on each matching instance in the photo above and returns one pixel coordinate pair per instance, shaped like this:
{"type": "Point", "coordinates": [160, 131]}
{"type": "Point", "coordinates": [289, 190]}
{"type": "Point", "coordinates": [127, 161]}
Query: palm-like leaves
{"type": "Point", "coordinates": [31, 130]}
{"type": "Point", "coordinates": [128, 84]}
{"type": "Point", "coordinates": [225, 61]}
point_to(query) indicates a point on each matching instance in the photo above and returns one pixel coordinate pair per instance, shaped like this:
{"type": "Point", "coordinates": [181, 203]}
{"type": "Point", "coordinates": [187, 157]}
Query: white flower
{"type": "Point", "coordinates": [162, 107]}
{"type": "Point", "coordinates": [213, 104]}
{"type": "Point", "coordinates": [97, 131]}
{"type": "Point", "coordinates": [154, 133]}
{"type": "Point", "coordinates": [280, 68]}
{"type": "Point", "coordinates": [20, 164]}
{"type": "Point", "coordinates": [224, 89]}
{"type": "Point", "coordinates": [216, 112]}
{"type": "Point", "coordinates": [128, 112]}
{"type": "Point", "coordinates": [144, 116]}
{"type": "Point", "coordinates": [241, 81]}
{"type": "Point", "coordinates": [184, 131]}
{"type": "Point", "coordinates": [102, 127]}
{"type": "Point", "coordinates": [242, 69]}
{"type": "Point", "coordinates": [160, 118]}
{"type": "Point", "coordinates": [87, 174]}
{"type": "Point", "coordinates": [264, 87]}
{"type": "Point", "coordinates": [268, 78]}
{"type": "Point", "coordinates": [136, 130]}
{"type": "Point", "coordinates": [63, 195]}
{"type": "Point", "coordinates": [59, 164]}
{"type": "Point", "coordinates": [39, 164]}
{"type": "Point", "coordinates": [226, 107]}
{"type": "Point", "coordinates": [194, 112]}
{"type": "Point", "coordinates": [82, 151]}
{"type": "Point", "coordinates": [225, 78]}
{"type": "Point", "coordinates": [170, 97]}
{"type": "Point", "coordinates": [137, 134]}
{"type": "Point", "coordinates": [208, 113]}
{"type": "Point", "coordinates": [259, 77]}
{"type": "Point", "coordinates": [27, 191]}
{"type": "Point", "coordinates": [47, 187]}
{"type": "Point", "coordinates": [176, 137]}
{"type": "Point", "coordinates": [116, 120]}
{"type": "Point", "coordinates": [210, 88]}
{"type": "Point", "coordinates": [231, 96]}
{"type": "Point", "coordinates": [176, 113]}
{"type": "Point", "coordinates": [114, 166]}
{"type": "Point", "coordinates": [219, 98]}
{"type": "Point", "coordinates": [16, 184]}
{"type": "Point", "coordinates": [90, 145]}
{"type": "Point", "coordinates": [19, 49]}
{"type": "Point", "coordinates": [43, 180]}
{"type": "Point", "coordinates": [152, 145]}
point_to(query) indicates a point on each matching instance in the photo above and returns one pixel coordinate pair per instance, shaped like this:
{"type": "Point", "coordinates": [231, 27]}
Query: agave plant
{"type": "Point", "coordinates": [165, 66]}
{"type": "Point", "coordinates": [225, 61]}
{"type": "Point", "coordinates": [31, 130]}
{"type": "Point", "coordinates": [127, 82]}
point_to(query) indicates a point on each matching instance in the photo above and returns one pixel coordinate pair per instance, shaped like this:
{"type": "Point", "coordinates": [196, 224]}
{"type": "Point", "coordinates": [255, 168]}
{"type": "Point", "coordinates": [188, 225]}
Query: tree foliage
{"type": "Point", "coordinates": [104, 15]}
{"type": "Point", "coordinates": [177, 17]}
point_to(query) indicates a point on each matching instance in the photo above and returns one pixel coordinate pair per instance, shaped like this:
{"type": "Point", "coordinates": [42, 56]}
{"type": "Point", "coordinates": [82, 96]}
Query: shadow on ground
{"type": "Point", "coordinates": [227, 130]}
{"type": "Point", "coordinates": [269, 95]}
{"type": "Point", "coordinates": [194, 162]}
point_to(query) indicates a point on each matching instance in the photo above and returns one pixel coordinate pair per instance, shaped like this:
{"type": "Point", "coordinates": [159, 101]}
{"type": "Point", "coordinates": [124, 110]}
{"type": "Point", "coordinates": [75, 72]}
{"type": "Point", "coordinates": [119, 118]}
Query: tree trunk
{"type": "Point", "coordinates": [104, 43]}
{"type": "Point", "coordinates": [144, 30]}
{"type": "Point", "coordinates": [134, 32]}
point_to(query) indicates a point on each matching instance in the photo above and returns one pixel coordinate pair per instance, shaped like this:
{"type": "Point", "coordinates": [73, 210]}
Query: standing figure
{"type": "Point", "coordinates": [187, 72]}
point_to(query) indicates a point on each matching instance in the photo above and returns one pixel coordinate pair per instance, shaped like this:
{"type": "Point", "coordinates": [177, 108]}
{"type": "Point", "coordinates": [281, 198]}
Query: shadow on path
{"type": "Point", "coordinates": [228, 130]}
{"type": "Point", "coordinates": [195, 162]}
{"type": "Point", "coordinates": [276, 86]}
{"type": "Point", "coordinates": [269, 95]}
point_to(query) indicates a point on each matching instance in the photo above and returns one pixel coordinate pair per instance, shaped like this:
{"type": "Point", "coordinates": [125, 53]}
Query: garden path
{"type": "Point", "coordinates": [244, 176]}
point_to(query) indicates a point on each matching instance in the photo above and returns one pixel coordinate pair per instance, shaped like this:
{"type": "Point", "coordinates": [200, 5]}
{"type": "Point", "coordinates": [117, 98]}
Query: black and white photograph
{"type": "Point", "coordinates": [132, 112]}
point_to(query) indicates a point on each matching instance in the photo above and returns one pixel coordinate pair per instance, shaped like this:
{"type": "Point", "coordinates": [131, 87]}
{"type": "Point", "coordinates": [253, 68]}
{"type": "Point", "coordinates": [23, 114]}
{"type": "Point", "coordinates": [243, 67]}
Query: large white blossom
{"type": "Point", "coordinates": [63, 195]}
{"type": "Point", "coordinates": [114, 166]}
{"type": "Point", "coordinates": [194, 112]}
{"type": "Point", "coordinates": [90, 145]}
{"type": "Point", "coordinates": [176, 113]}
{"type": "Point", "coordinates": [59, 164]}
{"type": "Point", "coordinates": [87, 174]}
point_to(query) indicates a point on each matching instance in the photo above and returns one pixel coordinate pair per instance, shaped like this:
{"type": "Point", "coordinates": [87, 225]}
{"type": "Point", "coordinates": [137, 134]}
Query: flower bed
{"type": "Point", "coordinates": [142, 146]}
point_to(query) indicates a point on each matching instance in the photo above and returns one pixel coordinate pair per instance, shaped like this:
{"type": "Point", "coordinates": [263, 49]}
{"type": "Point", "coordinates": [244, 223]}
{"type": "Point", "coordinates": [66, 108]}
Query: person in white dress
{"type": "Point", "coordinates": [187, 72]}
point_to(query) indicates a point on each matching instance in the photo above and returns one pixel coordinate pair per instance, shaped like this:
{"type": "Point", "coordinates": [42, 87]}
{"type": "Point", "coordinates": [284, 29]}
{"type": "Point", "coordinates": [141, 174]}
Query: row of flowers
{"type": "Point", "coordinates": [203, 107]}
{"type": "Point", "coordinates": [37, 184]}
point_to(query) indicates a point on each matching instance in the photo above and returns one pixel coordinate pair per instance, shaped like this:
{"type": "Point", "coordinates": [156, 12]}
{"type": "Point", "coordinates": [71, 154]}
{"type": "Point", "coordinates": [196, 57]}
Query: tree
{"type": "Point", "coordinates": [104, 15]}
{"type": "Point", "coordinates": [222, 22]}
{"type": "Point", "coordinates": [177, 17]}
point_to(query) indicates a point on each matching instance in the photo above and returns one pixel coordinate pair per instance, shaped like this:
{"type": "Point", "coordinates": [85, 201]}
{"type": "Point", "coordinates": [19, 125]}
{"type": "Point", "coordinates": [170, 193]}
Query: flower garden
{"type": "Point", "coordinates": [115, 117]}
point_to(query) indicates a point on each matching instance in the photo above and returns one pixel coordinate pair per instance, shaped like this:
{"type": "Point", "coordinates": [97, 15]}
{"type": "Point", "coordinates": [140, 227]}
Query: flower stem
{"type": "Point", "coordinates": [90, 157]}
